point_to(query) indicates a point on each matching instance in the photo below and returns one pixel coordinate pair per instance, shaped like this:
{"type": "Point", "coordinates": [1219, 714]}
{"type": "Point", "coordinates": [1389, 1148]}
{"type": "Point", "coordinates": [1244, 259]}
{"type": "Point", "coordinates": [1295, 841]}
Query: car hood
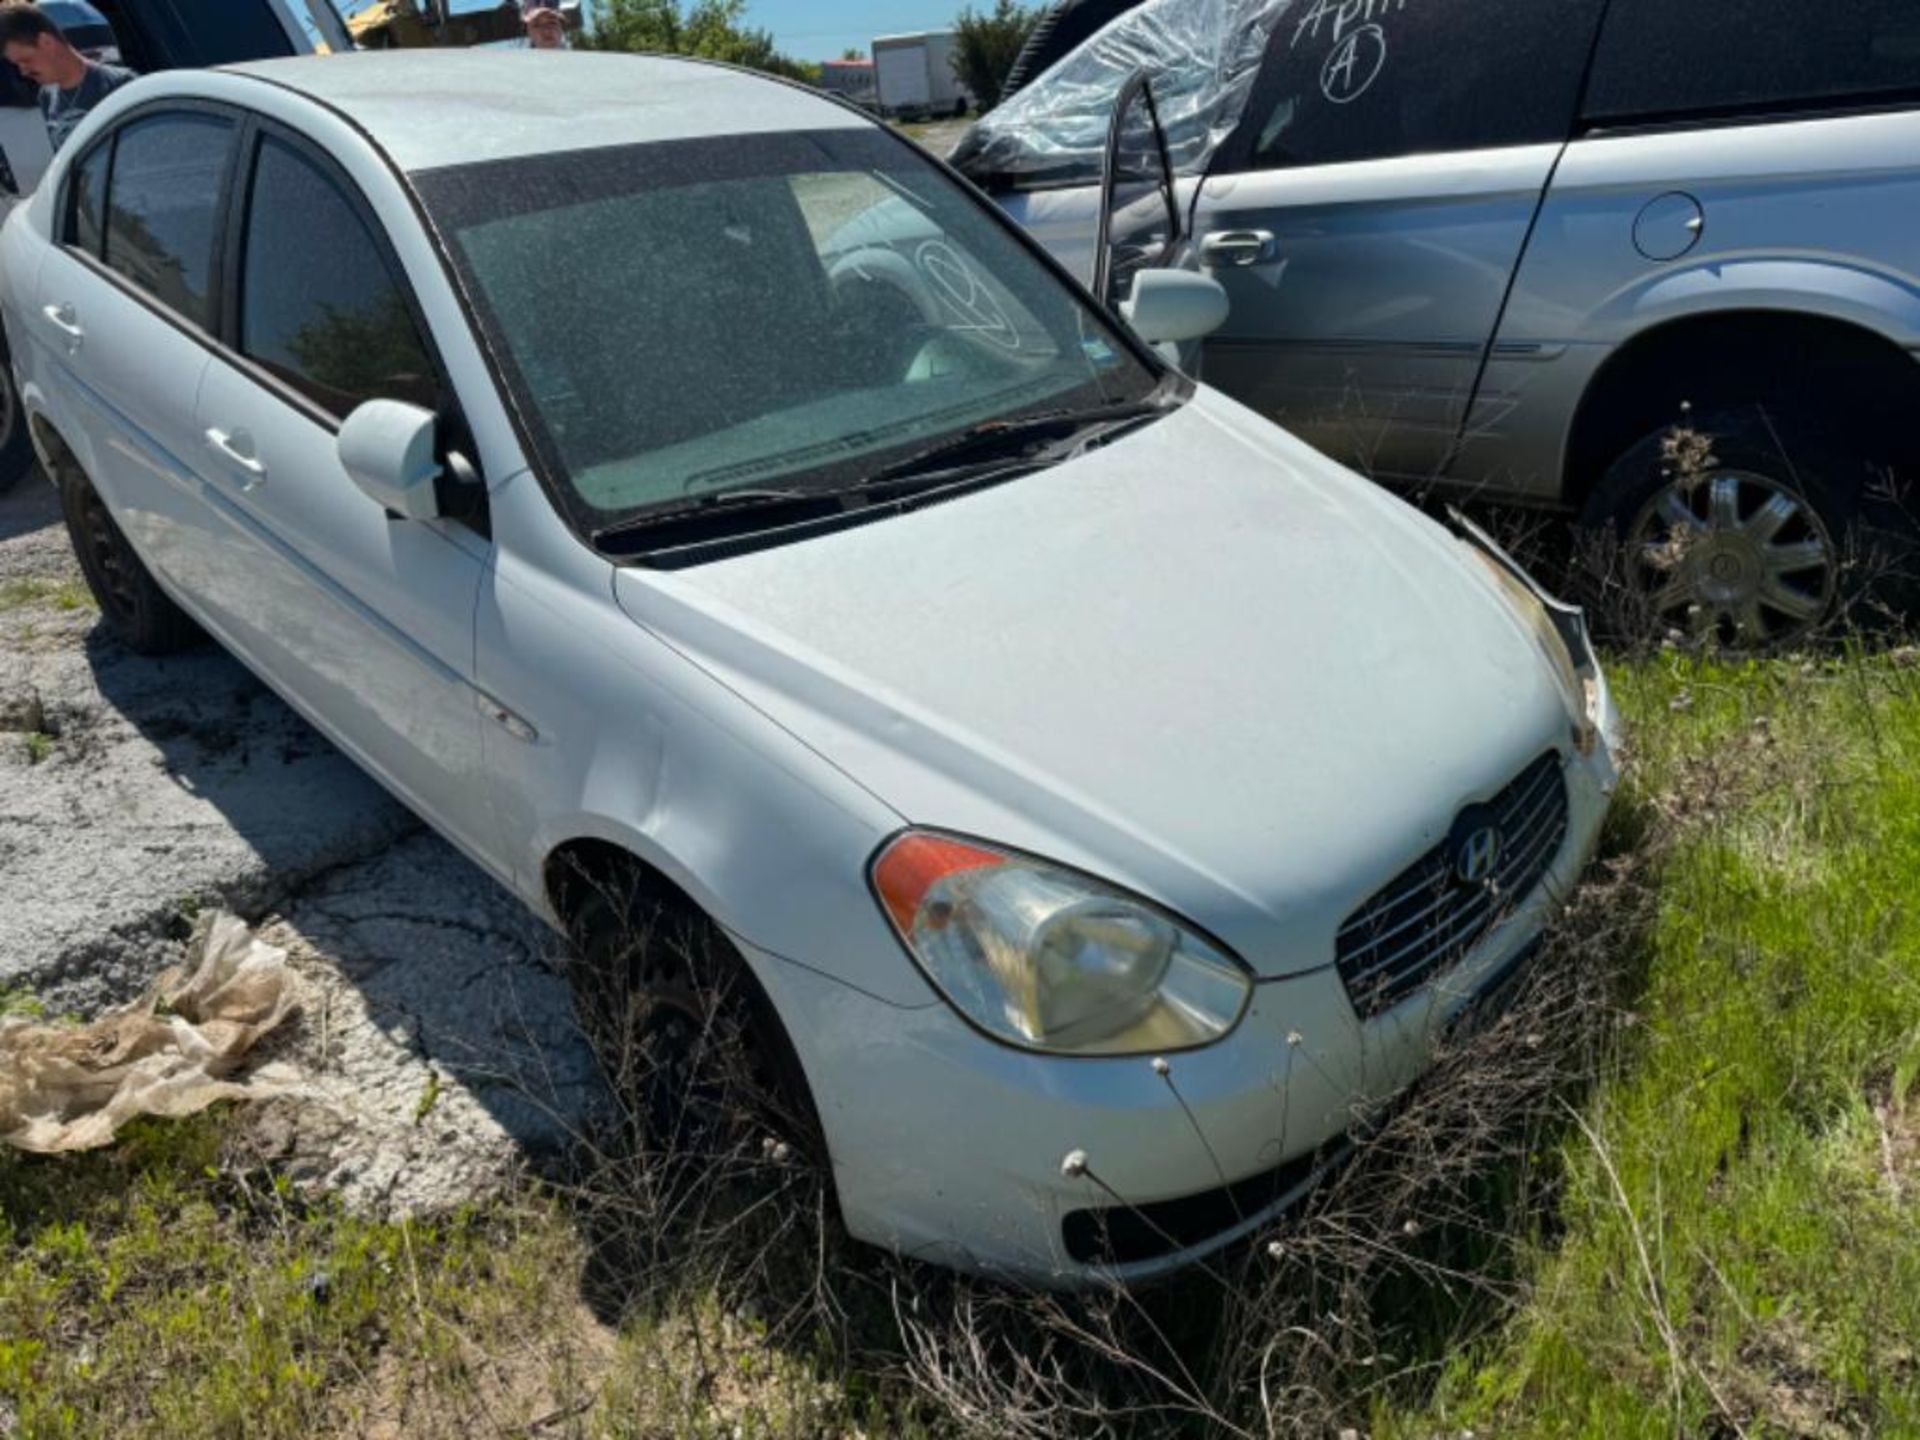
{"type": "Point", "coordinates": [1202, 661]}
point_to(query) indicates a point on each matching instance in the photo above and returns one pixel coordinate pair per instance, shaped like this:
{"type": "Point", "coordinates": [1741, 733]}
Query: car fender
{"type": "Point", "coordinates": [749, 831]}
{"type": "Point", "coordinates": [603, 731]}
{"type": "Point", "coordinates": [1543, 369]}
{"type": "Point", "coordinates": [47, 421]}
{"type": "Point", "coordinates": [1871, 298]}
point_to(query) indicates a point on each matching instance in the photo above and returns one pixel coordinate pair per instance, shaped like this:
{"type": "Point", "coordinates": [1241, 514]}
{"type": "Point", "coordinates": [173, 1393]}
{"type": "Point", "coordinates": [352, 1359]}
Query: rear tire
{"type": "Point", "coordinates": [1753, 541]}
{"type": "Point", "coordinates": [16, 445]}
{"type": "Point", "coordinates": [134, 606]}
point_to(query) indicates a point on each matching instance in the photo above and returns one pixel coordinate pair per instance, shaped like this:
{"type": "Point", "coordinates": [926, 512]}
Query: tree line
{"type": "Point", "coordinates": [990, 40]}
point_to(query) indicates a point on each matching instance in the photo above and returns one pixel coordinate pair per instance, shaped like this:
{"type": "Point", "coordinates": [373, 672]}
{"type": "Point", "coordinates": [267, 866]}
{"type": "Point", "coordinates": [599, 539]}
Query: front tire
{"type": "Point", "coordinates": [131, 601]}
{"type": "Point", "coordinates": [1734, 528]}
{"type": "Point", "coordinates": [704, 1071]}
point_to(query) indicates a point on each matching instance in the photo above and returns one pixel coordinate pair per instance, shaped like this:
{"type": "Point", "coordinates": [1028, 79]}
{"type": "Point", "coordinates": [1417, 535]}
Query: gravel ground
{"type": "Point", "coordinates": [135, 791]}
{"type": "Point", "coordinates": [938, 136]}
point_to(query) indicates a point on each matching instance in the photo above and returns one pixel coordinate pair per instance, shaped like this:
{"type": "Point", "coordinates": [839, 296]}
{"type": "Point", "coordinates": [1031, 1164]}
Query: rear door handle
{"type": "Point", "coordinates": [63, 319]}
{"type": "Point", "coordinates": [1231, 249]}
{"type": "Point", "coordinates": [236, 448]}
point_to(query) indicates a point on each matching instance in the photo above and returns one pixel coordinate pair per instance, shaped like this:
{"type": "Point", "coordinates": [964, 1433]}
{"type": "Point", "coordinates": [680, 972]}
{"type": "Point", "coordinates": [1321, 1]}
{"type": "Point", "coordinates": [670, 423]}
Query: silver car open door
{"type": "Point", "coordinates": [1139, 215]}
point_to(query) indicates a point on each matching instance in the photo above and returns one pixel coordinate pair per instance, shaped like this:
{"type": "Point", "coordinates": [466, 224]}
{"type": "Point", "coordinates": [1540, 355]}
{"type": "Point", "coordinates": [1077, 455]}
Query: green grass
{"type": "Point", "coordinates": [1732, 1249]}
{"type": "Point", "coordinates": [1739, 1252]}
{"type": "Point", "coordinates": [146, 1291]}
{"type": "Point", "coordinates": [21, 594]}
{"type": "Point", "coordinates": [152, 1289]}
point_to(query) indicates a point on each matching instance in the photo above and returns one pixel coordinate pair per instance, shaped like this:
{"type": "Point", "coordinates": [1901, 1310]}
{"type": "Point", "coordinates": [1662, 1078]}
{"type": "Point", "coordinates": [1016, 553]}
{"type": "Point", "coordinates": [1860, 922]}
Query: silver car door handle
{"type": "Point", "coordinates": [63, 319]}
{"type": "Point", "coordinates": [1238, 248]}
{"type": "Point", "coordinates": [237, 450]}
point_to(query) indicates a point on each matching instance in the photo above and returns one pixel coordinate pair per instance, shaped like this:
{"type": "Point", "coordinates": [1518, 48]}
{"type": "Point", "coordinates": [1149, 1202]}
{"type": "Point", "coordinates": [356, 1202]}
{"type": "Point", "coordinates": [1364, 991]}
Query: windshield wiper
{"type": "Point", "coordinates": [743, 499]}
{"type": "Point", "coordinates": [1017, 439]}
{"type": "Point", "coordinates": [1002, 447]}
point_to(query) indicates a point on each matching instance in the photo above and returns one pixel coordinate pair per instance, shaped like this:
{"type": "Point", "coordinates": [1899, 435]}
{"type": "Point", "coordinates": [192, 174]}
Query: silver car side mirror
{"type": "Point", "coordinates": [388, 447]}
{"type": "Point", "coordinates": [1169, 307]}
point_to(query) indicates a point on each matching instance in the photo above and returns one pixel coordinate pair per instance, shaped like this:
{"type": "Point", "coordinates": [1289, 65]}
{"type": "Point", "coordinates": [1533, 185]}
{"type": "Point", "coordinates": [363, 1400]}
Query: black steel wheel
{"type": "Point", "coordinates": [134, 606]}
{"type": "Point", "coordinates": [16, 445]}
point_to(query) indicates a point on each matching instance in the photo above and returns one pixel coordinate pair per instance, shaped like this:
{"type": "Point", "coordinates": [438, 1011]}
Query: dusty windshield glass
{"type": "Point", "coordinates": [792, 311]}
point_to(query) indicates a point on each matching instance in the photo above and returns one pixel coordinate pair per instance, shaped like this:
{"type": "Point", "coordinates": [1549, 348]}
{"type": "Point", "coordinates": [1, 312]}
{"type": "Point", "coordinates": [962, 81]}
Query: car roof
{"type": "Point", "coordinates": [71, 12]}
{"type": "Point", "coordinates": [433, 108]}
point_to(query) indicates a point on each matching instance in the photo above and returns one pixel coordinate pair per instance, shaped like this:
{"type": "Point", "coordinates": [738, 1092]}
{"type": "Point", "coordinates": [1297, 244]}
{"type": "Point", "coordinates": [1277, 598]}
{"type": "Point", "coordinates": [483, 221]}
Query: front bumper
{"type": "Point", "coordinates": [953, 1149]}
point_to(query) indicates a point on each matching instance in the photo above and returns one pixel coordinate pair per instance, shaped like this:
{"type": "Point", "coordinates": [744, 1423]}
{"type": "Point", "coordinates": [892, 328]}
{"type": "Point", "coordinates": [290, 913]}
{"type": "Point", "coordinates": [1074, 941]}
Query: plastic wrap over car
{"type": "Point", "coordinates": [1203, 57]}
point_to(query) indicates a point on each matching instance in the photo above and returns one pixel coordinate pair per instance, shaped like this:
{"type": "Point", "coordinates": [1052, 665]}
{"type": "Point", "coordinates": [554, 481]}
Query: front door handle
{"type": "Point", "coordinates": [236, 448]}
{"type": "Point", "coordinates": [63, 319]}
{"type": "Point", "coordinates": [1237, 249]}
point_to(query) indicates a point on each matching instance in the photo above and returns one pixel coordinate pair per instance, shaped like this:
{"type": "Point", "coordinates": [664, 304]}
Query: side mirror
{"type": "Point", "coordinates": [1171, 307]}
{"type": "Point", "coordinates": [388, 447]}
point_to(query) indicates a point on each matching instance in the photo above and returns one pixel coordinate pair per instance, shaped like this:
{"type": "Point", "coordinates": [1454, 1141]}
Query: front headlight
{"type": "Point", "coordinates": [1048, 959]}
{"type": "Point", "coordinates": [1559, 632]}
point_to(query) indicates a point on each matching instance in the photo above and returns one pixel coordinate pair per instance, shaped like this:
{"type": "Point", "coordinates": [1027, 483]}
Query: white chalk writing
{"type": "Point", "coordinates": [956, 284]}
{"type": "Point", "coordinates": [1354, 64]}
{"type": "Point", "coordinates": [1338, 17]}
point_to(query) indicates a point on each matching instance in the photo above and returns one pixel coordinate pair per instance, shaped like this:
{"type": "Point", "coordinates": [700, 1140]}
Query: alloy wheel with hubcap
{"type": "Point", "coordinates": [1735, 557]}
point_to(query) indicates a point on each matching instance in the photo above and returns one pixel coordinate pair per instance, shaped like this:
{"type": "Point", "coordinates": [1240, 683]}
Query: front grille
{"type": "Point", "coordinates": [1130, 1234]}
{"type": "Point", "coordinates": [1427, 920]}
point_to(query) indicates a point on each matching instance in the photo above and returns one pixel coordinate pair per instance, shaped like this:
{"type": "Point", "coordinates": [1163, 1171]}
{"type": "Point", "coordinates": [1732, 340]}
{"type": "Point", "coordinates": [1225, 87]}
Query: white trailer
{"type": "Point", "coordinates": [916, 77]}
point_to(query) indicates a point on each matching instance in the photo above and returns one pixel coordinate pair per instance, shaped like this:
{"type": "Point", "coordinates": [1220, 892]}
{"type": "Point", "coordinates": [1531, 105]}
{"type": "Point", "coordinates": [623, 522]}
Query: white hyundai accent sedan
{"type": "Point", "coordinates": [678, 488]}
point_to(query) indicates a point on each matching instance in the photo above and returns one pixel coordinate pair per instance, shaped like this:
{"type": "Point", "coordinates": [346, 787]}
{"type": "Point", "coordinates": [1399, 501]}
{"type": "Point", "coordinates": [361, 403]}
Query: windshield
{"type": "Point", "coordinates": [798, 311]}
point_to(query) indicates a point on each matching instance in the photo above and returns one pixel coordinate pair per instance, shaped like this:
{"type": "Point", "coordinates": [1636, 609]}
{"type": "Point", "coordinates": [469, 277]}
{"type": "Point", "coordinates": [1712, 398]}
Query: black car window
{"type": "Point", "coordinates": [87, 199]}
{"type": "Point", "coordinates": [191, 34]}
{"type": "Point", "coordinates": [223, 32]}
{"type": "Point", "coordinates": [163, 207]}
{"type": "Point", "coordinates": [1660, 60]}
{"type": "Point", "coordinates": [1368, 79]}
{"type": "Point", "coordinates": [320, 305]}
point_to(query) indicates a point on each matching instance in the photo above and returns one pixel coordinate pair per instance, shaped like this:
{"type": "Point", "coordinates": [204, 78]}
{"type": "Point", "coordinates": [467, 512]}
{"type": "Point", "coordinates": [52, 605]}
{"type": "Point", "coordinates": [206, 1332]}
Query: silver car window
{"type": "Point", "coordinates": [320, 307]}
{"type": "Point", "coordinates": [163, 208]}
{"type": "Point", "coordinates": [1659, 60]}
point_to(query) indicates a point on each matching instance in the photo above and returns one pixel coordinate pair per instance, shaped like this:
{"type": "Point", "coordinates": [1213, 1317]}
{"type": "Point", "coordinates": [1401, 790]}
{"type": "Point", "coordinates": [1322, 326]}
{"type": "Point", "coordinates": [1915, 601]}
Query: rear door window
{"type": "Point", "coordinates": [1661, 60]}
{"type": "Point", "coordinates": [321, 306]}
{"type": "Point", "coordinates": [87, 199]}
{"type": "Point", "coordinates": [163, 208]}
{"type": "Point", "coordinates": [1370, 79]}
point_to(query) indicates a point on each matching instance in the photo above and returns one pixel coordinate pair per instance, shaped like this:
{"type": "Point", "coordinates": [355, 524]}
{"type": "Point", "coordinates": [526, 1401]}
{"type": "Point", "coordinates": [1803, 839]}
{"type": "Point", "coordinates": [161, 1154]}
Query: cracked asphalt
{"type": "Point", "coordinates": [134, 792]}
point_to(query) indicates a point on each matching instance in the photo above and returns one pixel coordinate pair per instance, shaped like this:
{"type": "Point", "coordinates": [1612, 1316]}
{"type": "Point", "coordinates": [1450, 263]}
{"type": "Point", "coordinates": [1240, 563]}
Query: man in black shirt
{"type": "Point", "coordinates": [70, 84]}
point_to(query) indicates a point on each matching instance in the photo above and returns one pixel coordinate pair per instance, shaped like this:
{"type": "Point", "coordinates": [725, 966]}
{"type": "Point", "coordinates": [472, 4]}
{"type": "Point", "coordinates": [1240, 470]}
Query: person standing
{"type": "Point", "coordinates": [546, 24]}
{"type": "Point", "coordinates": [70, 84]}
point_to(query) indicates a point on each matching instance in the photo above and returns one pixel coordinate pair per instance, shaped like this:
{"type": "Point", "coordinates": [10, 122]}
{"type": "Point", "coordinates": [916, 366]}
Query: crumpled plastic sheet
{"type": "Point", "coordinates": [1203, 57]}
{"type": "Point", "coordinates": [171, 1053]}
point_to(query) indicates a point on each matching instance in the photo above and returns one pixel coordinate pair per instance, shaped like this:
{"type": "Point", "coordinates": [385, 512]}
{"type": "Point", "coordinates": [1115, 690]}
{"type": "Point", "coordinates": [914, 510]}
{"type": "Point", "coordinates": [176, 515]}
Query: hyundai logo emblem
{"type": "Point", "coordinates": [1476, 860]}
